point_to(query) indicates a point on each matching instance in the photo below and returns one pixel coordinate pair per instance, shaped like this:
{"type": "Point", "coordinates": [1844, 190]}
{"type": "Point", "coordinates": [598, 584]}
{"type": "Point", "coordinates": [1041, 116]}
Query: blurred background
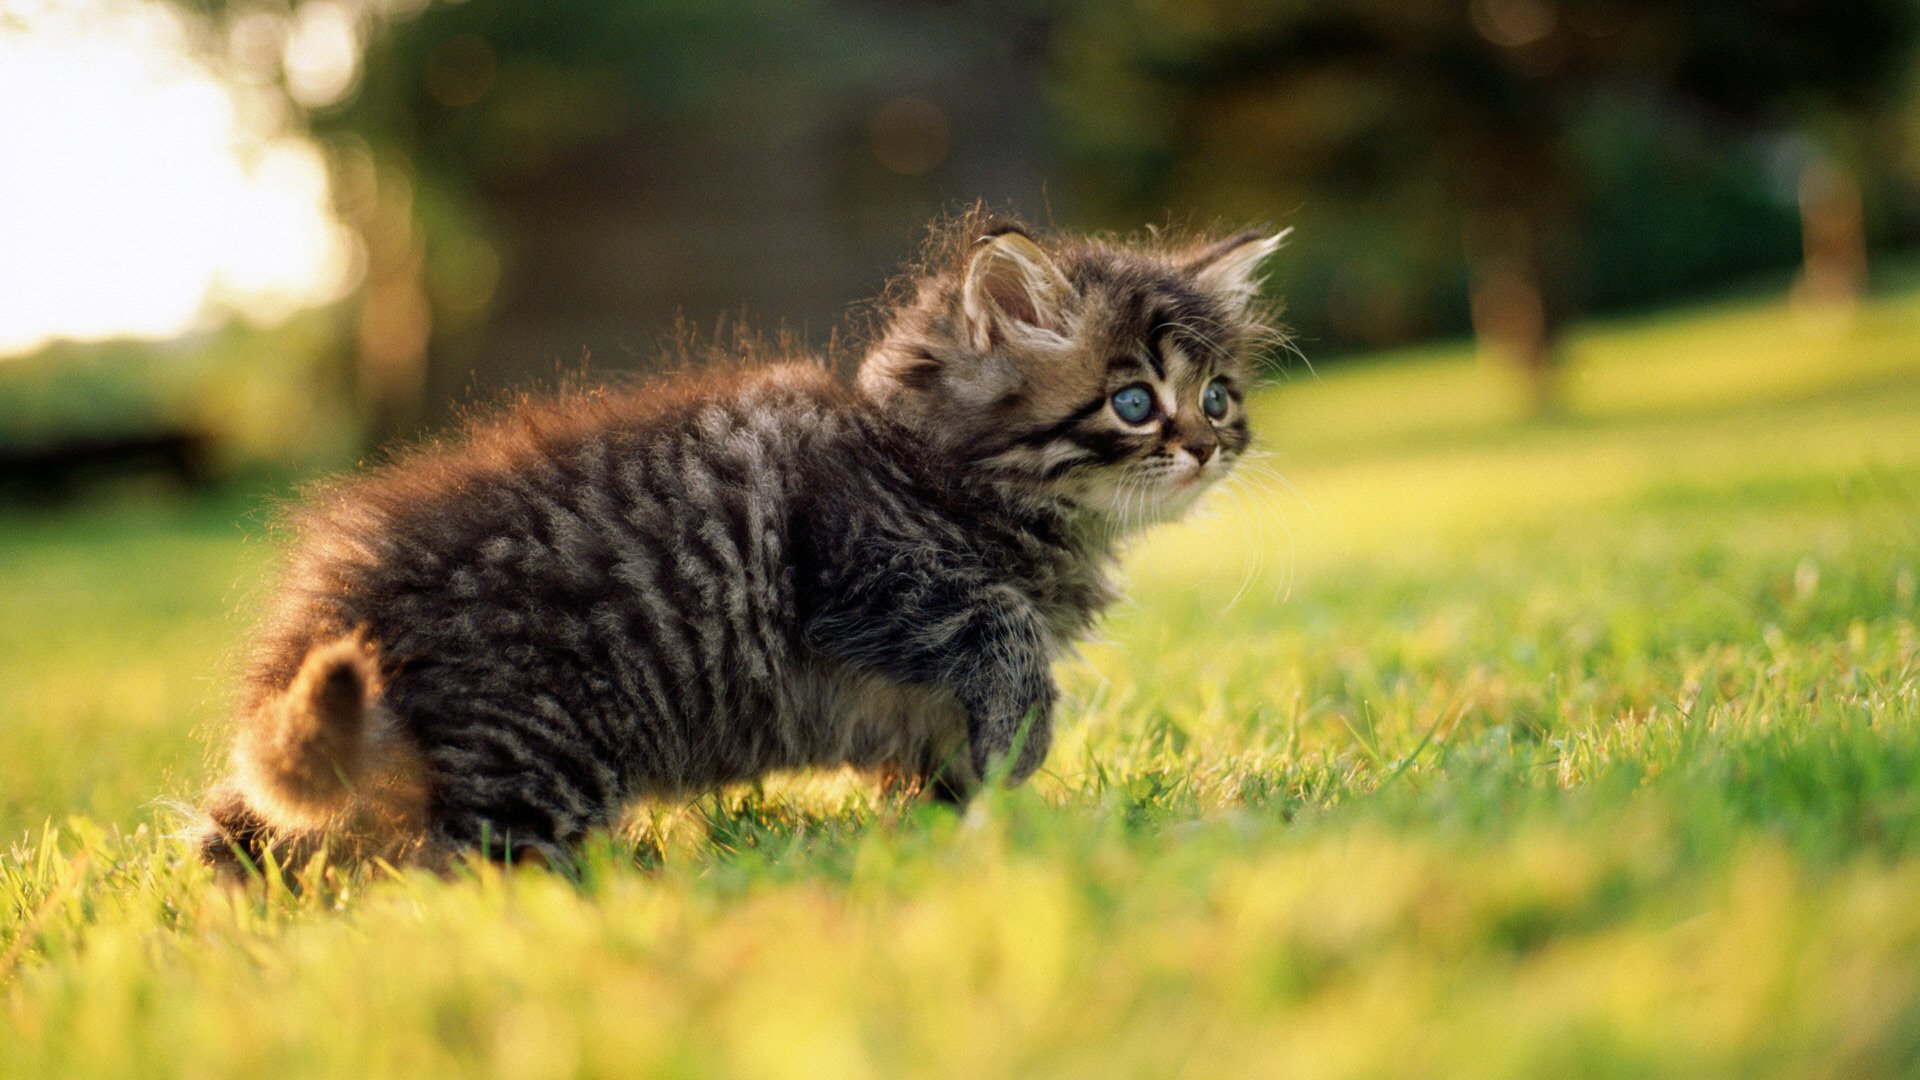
{"type": "Point", "coordinates": [1541, 697]}
{"type": "Point", "coordinates": [278, 234]}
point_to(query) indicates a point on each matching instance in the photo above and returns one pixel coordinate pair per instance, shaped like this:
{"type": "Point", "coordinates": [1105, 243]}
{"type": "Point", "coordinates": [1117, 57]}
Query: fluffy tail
{"type": "Point", "coordinates": [301, 756]}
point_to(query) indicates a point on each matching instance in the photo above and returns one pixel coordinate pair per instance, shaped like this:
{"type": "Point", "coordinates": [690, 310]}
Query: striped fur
{"type": "Point", "coordinates": [499, 643]}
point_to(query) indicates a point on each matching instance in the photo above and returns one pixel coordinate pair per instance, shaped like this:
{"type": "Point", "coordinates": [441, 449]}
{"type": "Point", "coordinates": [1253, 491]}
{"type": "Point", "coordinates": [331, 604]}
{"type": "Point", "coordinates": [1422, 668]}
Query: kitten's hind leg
{"type": "Point", "coordinates": [947, 776]}
{"type": "Point", "coordinates": [942, 775]}
{"type": "Point", "coordinates": [470, 835]}
{"type": "Point", "coordinates": [237, 841]}
{"type": "Point", "coordinates": [948, 789]}
{"type": "Point", "coordinates": [943, 787]}
{"type": "Point", "coordinates": [510, 811]}
{"type": "Point", "coordinates": [234, 836]}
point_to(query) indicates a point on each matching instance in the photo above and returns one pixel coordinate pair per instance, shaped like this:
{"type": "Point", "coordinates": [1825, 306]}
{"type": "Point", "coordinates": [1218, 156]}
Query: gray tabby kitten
{"type": "Point", "coordinates": [496, 645]}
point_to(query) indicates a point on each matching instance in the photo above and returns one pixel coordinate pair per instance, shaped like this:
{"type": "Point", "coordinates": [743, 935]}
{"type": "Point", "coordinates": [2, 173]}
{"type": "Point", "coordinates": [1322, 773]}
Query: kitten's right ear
{"type": "Point", "coordinates": [1013, 293]}
{"type": "Point", "coordinates": [1232, 266]}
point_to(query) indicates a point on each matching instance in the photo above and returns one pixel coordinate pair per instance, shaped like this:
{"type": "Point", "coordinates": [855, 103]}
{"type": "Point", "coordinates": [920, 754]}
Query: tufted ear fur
{"type": "Point", "coordinates": [1232, 266]}
{"type": "Point", "coordinates": [1014, 294]}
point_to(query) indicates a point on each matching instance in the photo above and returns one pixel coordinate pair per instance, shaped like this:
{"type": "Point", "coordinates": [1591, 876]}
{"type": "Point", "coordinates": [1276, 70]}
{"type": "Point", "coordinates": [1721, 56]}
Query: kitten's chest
{"type": "Point", "coordinates": [1065, 571]}
{"type": "Point", "coordinates": [1070, 589]}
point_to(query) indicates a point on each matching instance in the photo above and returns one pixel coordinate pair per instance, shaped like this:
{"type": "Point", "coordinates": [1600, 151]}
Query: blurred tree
{"type": "Point", "coordinates": [458, 105]}
{"type": "Point", "coordinates": [531, 181]}
{"type": "Point", "coordinates": [1467, 124]}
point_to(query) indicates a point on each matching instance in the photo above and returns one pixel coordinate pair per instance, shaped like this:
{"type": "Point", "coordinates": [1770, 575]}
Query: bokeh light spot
{"type": "Point", "coordinates": [322, 58]}
{"type": "Point", "coordinates": [136, 201]}
{"type": "Point", "coordinates": [1514, 24]}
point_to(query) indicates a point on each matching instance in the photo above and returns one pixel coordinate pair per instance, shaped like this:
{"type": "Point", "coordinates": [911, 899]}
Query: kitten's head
{"type": "Point", "coordinates": [1109, 377]}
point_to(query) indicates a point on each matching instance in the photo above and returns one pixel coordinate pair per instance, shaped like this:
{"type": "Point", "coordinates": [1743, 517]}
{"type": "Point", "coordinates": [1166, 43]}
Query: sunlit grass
{"type": "Point", "coordinates": [1482, 746]}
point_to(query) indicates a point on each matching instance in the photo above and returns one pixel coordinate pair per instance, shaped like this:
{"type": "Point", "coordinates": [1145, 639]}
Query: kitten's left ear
{"type": "Point", "coordinates": [1013, 292]}
{"type": "Point", "coordinates": [1232, 266]}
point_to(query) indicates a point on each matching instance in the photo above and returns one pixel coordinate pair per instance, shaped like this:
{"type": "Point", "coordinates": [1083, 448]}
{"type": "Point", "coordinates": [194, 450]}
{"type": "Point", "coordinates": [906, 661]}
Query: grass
{"type": "Point", "coordinates": [1479, 747]}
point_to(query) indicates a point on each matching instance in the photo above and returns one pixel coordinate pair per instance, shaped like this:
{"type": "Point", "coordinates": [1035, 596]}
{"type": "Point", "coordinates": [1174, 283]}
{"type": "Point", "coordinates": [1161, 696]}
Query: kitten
{"type": "Point", "coordinates": [496, 645]}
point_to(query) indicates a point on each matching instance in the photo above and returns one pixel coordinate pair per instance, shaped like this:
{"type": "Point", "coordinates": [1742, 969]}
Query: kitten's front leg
{"type": "Point", "coordinates": [1007, 691]}
{"type": "Point", "coordinates": [984, 644]}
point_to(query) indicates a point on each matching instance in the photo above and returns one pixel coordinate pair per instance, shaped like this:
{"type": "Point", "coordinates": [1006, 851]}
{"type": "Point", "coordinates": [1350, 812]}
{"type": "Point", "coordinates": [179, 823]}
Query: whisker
{"type": "Point", "coordinates": [1264, 515]}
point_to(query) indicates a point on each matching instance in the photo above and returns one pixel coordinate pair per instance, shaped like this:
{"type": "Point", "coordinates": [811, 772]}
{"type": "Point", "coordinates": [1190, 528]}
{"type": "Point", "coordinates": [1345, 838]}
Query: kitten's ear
{"type": "Point", "coordinates": [1012, 291]}
{"type": "Point", "coordinates": [1232, 266]}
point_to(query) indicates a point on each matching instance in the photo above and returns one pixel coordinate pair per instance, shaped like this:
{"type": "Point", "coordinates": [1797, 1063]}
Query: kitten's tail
{"type": "Point", "coordinates": [301, 755]}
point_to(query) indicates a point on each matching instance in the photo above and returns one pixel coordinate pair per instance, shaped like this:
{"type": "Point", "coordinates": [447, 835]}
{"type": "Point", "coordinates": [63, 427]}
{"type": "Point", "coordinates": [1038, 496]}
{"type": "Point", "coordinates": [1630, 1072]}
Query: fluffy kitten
{"type": "Point", "coordinates": [496, 645]}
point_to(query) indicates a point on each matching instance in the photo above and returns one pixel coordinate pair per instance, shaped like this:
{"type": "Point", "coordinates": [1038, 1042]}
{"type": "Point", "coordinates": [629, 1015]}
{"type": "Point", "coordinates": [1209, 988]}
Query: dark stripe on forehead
{"type": "Point", "coordinates": [1156, 335]}
{"type": "Point", "coordinates": [1133, 305]}
{"type": "Point", "coordinates": [1202, 327]}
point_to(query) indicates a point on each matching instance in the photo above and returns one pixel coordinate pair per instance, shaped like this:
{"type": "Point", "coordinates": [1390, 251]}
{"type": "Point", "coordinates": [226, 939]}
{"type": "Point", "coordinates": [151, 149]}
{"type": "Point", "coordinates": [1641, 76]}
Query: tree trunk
{"type": "Point", "coordinates": [1833, 229]}
{"type": "Point", "coordinates": [1514, 324]}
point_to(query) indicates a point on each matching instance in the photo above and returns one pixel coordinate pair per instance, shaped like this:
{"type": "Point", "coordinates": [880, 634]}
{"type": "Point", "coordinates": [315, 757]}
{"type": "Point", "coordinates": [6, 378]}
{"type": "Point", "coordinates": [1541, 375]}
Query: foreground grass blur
{"type": "Point", "coordinates": [1474, 747]}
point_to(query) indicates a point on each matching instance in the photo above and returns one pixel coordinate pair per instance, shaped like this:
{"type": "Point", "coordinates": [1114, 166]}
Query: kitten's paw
{"type": "Point", "coordinates": [1026, 744]}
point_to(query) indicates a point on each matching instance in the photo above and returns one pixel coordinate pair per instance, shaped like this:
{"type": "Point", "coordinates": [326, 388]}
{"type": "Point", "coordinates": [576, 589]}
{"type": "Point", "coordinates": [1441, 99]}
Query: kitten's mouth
{"type": "Point", "coordinates": [1196, 475]}
{"type": "Point", "coordinates": [1150, 496]}
{"type": "Point", "coordinates": [1181, 486]}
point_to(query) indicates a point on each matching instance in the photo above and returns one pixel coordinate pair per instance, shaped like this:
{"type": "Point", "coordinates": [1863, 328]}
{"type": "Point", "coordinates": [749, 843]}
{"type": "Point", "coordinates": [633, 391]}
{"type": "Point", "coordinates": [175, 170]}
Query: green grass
{"type": "Point", "coordinates": [1479, 747]}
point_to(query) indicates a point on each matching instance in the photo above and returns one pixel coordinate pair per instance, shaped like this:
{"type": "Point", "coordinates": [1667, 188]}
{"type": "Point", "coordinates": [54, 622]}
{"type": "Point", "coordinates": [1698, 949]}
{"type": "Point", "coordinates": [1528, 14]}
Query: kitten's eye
{"type": "Point", "coordinates": [1213, 400]}
{"type": "Point", "coordinates": [1134, 404]}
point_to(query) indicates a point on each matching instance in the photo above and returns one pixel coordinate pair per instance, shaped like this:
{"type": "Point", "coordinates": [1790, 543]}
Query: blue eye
{"type": "Point", "coordinates": [1213, 400]}
{"type": "Point", "coordinates": [1134, 404]}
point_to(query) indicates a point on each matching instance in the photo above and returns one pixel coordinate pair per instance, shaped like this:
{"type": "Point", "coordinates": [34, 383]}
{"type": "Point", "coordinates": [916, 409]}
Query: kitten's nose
{"type": "Point", "coordinates": [1201, 451]}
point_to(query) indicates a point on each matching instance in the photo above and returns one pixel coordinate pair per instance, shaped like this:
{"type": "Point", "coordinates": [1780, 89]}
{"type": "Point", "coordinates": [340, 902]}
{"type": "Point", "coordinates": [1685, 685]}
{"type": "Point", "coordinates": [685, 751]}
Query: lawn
{"type": "Point", "coordinates": [1475, 746]}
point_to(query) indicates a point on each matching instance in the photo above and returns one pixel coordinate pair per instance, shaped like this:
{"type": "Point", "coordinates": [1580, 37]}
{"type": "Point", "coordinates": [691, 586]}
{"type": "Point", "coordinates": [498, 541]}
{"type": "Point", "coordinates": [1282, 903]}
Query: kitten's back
{"type": "Point", "coordinates": [530, 594]}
